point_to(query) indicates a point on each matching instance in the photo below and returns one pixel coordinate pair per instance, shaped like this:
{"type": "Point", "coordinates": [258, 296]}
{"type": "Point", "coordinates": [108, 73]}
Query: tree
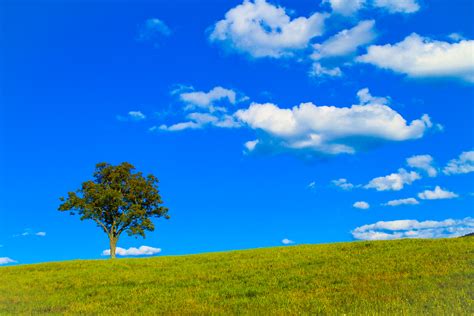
{"type": "Point", "coordinates": [118, 200]}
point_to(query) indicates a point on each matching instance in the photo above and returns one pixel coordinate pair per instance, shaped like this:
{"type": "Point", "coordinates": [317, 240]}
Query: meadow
{"type": "Point", "coordinates": [402, 277]}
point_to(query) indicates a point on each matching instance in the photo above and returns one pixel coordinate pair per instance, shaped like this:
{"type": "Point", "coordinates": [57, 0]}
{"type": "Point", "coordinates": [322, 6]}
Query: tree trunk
{"type": "Point", "coordinates": [113, 245]}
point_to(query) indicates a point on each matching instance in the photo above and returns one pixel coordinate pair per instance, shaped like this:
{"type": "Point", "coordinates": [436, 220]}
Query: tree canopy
{"type": "Point", "coordinates": [118, 200]}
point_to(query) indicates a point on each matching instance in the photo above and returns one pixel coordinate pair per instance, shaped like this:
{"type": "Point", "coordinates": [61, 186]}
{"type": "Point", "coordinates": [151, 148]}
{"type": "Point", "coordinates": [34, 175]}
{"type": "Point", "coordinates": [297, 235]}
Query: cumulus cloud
{"type": "Point", "coordinates": [361, 205]}
{"type": "Point", "coordinates": [318, 70]}
{"type": "Point", "coordinates": [343, 184]}
{"type": "Point", "coordinates": [212, 113]}
{"type": "Point", "coordinates": [29, 232]}
{"type": "Point", "coordinates": [423, 162]}
{"type": "Point", "coordinates": [414, 229]}
{"type": "Point", "coordinates": [437, 194]}
{"type": "Point", "coordinates": [346, 7]}
{"type": "Point", "coordinates": [350, 7]}
{"type": "Point", "coordinates": [206, 100]}
{"type": "Point", "coordinates": [136, 115]}
{"type": "Point", "coordinates": [6, 260]}
{"type": "Point", "coordinates": [418, 56]}
{"type": "Point", "coordinates": [329, 129]}
{"type": "Point", "coordinates": [398, 6]}
{"type": "Point", "coordinates": [311, 129]}
{"type": "Point", "coordinates": [251, 144]}
{"type": "Point", "coordinates": [261, 29]}
{"type": "Point", "coordinates": [132, 116]}
{"type": "Point", "coordinates": [463, 164]}
{"type": "Point", "coordinates": [346, 42]}
{"type": "Point", "coordinates": [287, 241]}
{"type": "Point", "coordinates": [456, 37]}
{"type": "Point", "coordinates": [340, 48]}
{"type": "Point", "coordinates": [198, 120]}
{"type": "Point", "coordinates": [152, 30]}
{"type": "Point", "coordinates": [393, 181]}
{"type": "Point", "coordinates": [408, 201]}
{"type": "Point", "coordinates": [132, 251]}
{"type": "Point", "coordinates": [365, 97]}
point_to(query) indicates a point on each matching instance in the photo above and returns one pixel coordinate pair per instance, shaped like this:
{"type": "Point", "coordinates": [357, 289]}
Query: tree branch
{"type": "Point", "coordinates": [101, 224]}
{"type": "Point", "coordinates": [121, 230]}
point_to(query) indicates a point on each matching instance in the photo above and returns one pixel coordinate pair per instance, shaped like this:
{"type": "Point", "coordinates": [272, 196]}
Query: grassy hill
{"type": "Point", "coordinates": [398, 277]}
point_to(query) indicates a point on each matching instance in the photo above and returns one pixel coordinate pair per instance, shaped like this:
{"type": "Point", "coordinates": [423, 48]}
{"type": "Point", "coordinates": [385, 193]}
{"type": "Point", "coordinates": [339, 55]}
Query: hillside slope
{"type": "Point", "coordinates": [398, 277]}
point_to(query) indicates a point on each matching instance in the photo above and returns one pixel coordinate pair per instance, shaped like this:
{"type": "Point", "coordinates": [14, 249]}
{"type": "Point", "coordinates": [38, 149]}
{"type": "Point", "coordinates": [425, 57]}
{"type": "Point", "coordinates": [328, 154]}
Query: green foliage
{"type": "Point", "coordinates": [118, 200]}
{"type": "Point", "coordinates": [402, 277]}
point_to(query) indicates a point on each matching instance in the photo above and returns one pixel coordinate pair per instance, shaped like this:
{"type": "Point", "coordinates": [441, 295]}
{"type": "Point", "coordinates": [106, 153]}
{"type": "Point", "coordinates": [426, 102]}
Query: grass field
{"type": "Point", "coordinates": [397, 277]}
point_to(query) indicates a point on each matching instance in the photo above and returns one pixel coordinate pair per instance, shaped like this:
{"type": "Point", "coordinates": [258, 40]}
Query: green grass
{"type": "Point", "coordinates": [432, 277]}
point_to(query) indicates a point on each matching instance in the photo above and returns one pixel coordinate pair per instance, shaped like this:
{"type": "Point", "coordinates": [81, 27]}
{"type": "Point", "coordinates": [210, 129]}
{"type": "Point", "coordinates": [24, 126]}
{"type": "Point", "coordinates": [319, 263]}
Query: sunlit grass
{"type": "Point", "coordinates": [397, 277]}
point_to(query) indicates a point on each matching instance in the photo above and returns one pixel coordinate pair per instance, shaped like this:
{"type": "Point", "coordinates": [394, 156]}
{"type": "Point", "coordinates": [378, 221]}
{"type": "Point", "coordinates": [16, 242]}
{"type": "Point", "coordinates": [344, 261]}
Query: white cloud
{"type": "Point", "coordinates": [132, 251]}
{"type": "Point", "coordinates": [132, 116]}
{"type": "Point", "coordinates": [206, 100]}
{"type": "Point", "coordinates": [318, 70]}
{"type": "Point", "coordinates": [312, 185]}
{"type": "Point", "coordinates": [414, 229]}
{"type": "Point", "coordinates": [179, 88]}
{"type": "Point", "coordinates": [200, 120]}
{"type": "Point", "coordinates": [346, 7]}
{"type": "Point", "coordinates": [340, 47]}
{"type": "Point", "coordinates": [6, 260]}
{"type": "Point", "coordinates": [152, 30]}
{"type": "Point", "coordinates": [456, 37]}
{"type": "Point", "coordinates": [437, 194]}
{"type": "Point", "coordinates": [418, 56]}
{"type": "Point", "coordinates": [329, 129]}
{"type": "Point", "coordinates": [408, 201]}
{"type": "Point", "coordinates": [261, 29]}
{"type": "Point", "coordinates": [287, 241]}
{"type": "Point", "coordinates": [310, 129]}
{"type": "Point", "coordinates": [350, 7]}
{"type": "Point", "coordinates": [398, 6]}
{"type": "Point", "coordinates": [136, 115]}
{"type": "Point", "coordinates": [346, 42]}
{"type": "Point", "coordinates": [365, 97]}
{"type": "Point", "coordinates": [211, 114]}
{"type": "Point", "coordinates": [177, 127]}
{"type": "Point", "coordinates": [464, 164]}
{"type": "Point", "coordinates": [394, 181]}
{"type": "Point", "coordinates": [423, 162]}
{"type": "Point", "coordinates": [29, 232]}
{"type": "Point", "coordinates": [343, 184]}
{"type": "Point", "coordinates": [361, 204]}
{"type": "Point", "coordinates": [251, 144]}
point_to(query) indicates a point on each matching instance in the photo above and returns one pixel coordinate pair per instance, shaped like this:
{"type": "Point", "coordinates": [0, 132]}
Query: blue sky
{"type": "Point", "coordinates": [267, 122]}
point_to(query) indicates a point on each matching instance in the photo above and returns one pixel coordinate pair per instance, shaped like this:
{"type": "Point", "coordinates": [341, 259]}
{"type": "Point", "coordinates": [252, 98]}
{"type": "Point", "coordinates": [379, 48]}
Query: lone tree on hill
{"type": "Point", "coordinates": [118, 200]}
